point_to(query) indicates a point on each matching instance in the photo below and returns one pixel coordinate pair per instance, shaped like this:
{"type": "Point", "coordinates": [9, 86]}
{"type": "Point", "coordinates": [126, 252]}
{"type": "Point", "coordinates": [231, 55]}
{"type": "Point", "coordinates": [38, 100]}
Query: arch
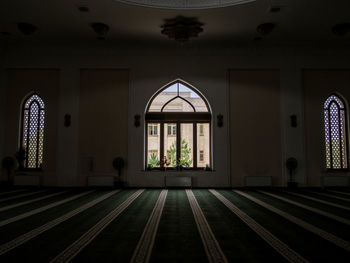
{"type": "Point", "coordinates": [32, 130]}
{"type": "Point", "coordinates": [335, 130]}
{"type": "Point", "coordinates": [178, 128]}
{"type": "Point", "coordinates": [178, 89]}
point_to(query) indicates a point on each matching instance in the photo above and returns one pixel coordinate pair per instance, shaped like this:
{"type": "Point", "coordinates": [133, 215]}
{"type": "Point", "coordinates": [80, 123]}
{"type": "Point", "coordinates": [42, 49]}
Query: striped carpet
{"type": "Point", "coordinates": [175, 225]}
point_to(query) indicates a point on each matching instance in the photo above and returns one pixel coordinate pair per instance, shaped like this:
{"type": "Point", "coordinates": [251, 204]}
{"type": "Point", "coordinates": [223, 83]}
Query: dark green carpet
{"type": "Point", "coordinates": [177, 238]}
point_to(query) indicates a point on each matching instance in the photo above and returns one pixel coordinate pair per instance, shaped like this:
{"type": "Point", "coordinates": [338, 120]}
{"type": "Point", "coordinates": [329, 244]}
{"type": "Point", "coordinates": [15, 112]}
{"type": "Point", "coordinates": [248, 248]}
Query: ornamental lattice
{"type": "Point", "coordinates": [33, 131]}
{"type": "Point", "coordinates": [335, 133]}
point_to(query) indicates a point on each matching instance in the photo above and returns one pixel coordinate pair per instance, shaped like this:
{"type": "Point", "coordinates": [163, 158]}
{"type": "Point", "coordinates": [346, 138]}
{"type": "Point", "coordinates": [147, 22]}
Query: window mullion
{"type": "Point", "coordinates": [28, 134]}
{"type": "Point", "coordinates": [340, 140]}
{"type": "Point", "coordinates": [37, 139]}
{"type": "Point", "coordinates": [330, 137]}
{"type": "Point", "coordinates": [194, 145]}
{"type": "Point", "coordinates": [161, 161]}
{"type": "Point", "coordinates": [178, 142]}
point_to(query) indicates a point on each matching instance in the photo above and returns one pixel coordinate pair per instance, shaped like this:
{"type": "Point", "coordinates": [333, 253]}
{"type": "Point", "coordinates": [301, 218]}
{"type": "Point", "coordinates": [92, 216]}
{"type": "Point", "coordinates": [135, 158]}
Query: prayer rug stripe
{"type": "Point", "coordinates": [31, 201]}
{"type": "Point", "coordinates": [37, 231]}
{"type": "Point", "coordinates": [178, 238]}
{"type": "Point", "coordinates": [70, 252]}
{"type": "Point", "coordinates": [21, 195]}
{"type": "Point", "coordinates": [338, 192]}
{"type": "Point", "coordinates": [211, 245]}
{"type": "Point", "coordinates": [144, 247]}
{"type": "Point", "coordinates": [327, 236]}
{"type": "Point", "coordinates": [315, 210]}
{"type": "Point", "coordinates": [329, 195]}
{"type": "Point", "coordinates": [41, 209]}
{"type": "Point", "coordinates": [318, 200]}
{"type": "Point", "coordinates": [272, 240]}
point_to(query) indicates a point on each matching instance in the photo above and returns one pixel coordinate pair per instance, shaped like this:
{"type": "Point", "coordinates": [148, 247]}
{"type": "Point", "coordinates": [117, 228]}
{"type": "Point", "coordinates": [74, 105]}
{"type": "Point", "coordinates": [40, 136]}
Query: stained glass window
{"type": "Point", "coordinates": [335, 133]}
{"type": "Point", "coordinates": [33, 120]}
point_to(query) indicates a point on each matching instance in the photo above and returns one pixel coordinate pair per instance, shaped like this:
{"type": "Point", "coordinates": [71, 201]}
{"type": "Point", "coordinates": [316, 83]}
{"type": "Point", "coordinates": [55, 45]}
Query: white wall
{"type": "Point", "coordinates": [150, 69]}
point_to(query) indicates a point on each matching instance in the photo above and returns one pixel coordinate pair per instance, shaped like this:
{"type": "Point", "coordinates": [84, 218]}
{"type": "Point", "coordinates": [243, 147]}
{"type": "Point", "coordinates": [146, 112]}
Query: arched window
{"type": "Point", "coordinates": [178, 125]}
{"type": "Point", "coordinates": [32, 132]}
{"type": "Point", "coordinates": [335, 133]}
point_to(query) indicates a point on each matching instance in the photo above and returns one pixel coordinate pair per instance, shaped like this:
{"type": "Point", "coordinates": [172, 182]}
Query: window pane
{"type": "Point", "coordinates": [153, 145]}
{"type": "Point", "coordinates": [163, 97]}
{"type": "Point", "coordinates": [194, 98]}
{"type": "Point", "coordinates": [178, 105]}
{"type": "Point", "coordinates": [169, 145]}
{"type": "Point", "coordinates": [203, 145]}
{"type": "Point", "coordinates": [186, 158]}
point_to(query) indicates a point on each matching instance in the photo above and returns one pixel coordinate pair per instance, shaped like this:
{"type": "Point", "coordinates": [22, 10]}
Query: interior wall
{"type": "Point", "coordinates": [255, 125]}
{"type": "Point", "coordinates": [20, 83]}
{"type": "Point", "coordinates": [150, 69]}
{"type": "Point", "coordinates": [318, 85]}
{"type": "Point", "coordinates": [103, 121]}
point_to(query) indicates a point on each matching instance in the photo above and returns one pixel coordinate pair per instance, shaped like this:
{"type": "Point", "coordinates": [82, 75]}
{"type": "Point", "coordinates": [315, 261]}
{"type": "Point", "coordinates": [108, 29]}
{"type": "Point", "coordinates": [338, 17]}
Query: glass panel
{"type": "Point", "coordinates": [33, 135]}
{"type": "Point", "coordinates": [203, 145]}
{"type": "Point", "coordinates": [36, 98]}
{"type": "Point", "coordinates": [163, 97]}
{"type": "Point", "coordinates": [333, 98]}
{"type": "Point", "coordinates": [178, 89]}
{"type": "Point", "coordinates": [41, 138]}
{"type": "Point", "coordinates": [186, 158]}
{"type": "Point", "coordinates": [335, 135]}
{"type": "Point", "coordinates": [343, 139]}
{"type": "Point", "coordinates": [178, 105]}
{"type": "Point", "coordinates": [193, 98]}
{"type": "Point", "coordinates": [326, 129]}
{"type": "Point", "coordinates": [153, 145]}
{"type": "Point", "coordinates": [169, 145]}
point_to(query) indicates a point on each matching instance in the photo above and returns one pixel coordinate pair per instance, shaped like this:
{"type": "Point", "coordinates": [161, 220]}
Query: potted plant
{"type": "Point", "coordinates": [207, 168]}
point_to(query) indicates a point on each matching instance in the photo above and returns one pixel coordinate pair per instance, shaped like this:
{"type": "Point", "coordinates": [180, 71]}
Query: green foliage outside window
{"type": "Point", "coordinates": [185, 159]}
{"type": "Point", "coordinates": [153, 161]}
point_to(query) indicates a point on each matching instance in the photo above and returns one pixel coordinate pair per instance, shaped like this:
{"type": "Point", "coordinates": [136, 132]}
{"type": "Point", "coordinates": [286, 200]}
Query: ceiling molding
{"type": "Point", "coordinates": [185, 4]}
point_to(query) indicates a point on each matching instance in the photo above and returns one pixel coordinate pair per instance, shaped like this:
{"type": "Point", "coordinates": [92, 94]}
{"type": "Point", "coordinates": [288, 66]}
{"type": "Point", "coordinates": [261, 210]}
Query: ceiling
{"type": "Point", "coordinates": [299, 21]}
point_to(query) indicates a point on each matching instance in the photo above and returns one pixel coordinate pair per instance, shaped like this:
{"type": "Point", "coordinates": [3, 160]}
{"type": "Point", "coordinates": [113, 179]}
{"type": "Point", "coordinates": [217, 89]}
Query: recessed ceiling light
{"type": "Point", "coordinates": [5, 34]}
{"type": "Point", "coordinates": [26, 28]}
{"type": "Point", "coordinates": [83, 9]}
{"type": "Point", "coordinates": [275, 9]}
{"type": "Point", "coordinates": [101, 29]}
{"type": "Point", "coordinates": [341, 29]}
{"type": "Point", "coordinates": [265, 28]}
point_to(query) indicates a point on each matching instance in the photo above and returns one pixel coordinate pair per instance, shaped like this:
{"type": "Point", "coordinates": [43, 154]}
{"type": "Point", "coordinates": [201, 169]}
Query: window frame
{"type": "Point", "coordinates": [195, 118]}
{"type": "Point", "coordinates": [22, 131]}
{"type": "Point", "coordinates": [332, 169]}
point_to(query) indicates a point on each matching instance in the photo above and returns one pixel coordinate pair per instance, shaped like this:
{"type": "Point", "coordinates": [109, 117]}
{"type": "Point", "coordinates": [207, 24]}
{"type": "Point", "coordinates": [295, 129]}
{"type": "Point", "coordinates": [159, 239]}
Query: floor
{"type": "Point", "coordinates": [174, 225]}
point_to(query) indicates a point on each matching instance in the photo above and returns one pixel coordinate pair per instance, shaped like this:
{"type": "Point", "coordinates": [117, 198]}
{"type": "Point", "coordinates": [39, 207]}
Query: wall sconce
{"type": "Point", "coordinates": [220, 120]}
{"type": "Point", "coordinates": [137, 118]}
{"type": "Point", "coordinates": [67, 120]}
{"type": "Point", "coordinates": [293, 121]}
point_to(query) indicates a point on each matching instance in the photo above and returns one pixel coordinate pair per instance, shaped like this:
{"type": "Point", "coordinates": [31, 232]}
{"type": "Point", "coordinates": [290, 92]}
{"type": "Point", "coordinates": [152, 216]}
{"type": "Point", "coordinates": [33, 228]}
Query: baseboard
{"type": "Point", "coordinates": [335, 181]}
{"type": "Point", "coordinates": [258, 181]}
{"type": "Point", "coordinates": [100, 180]}
{"type": "Point", "coordinates": [178, 181]}
{"type": "Point", "coordinates": [26, 180]}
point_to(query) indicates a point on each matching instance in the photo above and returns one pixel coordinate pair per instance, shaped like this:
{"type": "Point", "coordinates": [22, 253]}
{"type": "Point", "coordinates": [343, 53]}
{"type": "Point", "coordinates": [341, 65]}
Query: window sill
{"type": "Point", "coordinates": [329, 170]}
{"type": "Point", "coordinates": [30, 170]}
{"type": "Point", "coordinates": [174, 170]}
